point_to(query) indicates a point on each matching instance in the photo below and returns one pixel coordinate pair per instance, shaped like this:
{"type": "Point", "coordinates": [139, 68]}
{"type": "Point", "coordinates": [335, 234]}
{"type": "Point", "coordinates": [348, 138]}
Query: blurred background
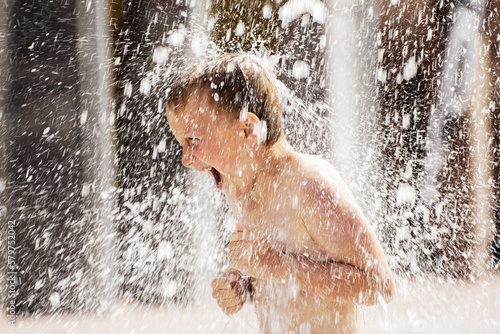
{"type": "Point", "coordinates": [403, 97]}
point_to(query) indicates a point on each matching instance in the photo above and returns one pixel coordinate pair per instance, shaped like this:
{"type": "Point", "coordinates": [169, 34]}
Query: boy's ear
{"type": "Point", "coordinates": [249, 125]}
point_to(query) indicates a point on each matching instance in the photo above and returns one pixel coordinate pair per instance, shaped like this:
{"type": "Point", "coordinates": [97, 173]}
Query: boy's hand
{"type": "Point", "coordinates": [230, 291]}
{"type": "Point", "coordinates": [253, 257]}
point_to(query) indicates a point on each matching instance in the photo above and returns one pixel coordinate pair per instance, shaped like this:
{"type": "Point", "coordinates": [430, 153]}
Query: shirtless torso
{"type": "Point", "coordinates": [304, 239]}
{"type": "Point", "coordinates": [277, 215]}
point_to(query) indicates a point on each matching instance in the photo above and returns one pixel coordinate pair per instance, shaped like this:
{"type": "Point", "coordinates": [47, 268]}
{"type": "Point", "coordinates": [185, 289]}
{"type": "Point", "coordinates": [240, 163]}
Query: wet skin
{"type": "Point", "coordinates": [304, 240]}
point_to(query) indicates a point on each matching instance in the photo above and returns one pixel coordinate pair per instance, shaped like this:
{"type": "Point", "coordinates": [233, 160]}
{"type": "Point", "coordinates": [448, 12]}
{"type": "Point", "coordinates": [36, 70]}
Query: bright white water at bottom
{"type": "Point", "coordinates": [426, 305]}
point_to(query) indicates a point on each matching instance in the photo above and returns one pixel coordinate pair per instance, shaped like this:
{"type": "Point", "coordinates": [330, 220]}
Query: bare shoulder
{"type": "Point", "coordinates": [317, 179]}
{"type": "Point", "coordinates": [328, 206]}
{"type": "Point", "coordinates": [318, 190]}
{"type": "Point", "coordinates": [334, 220]}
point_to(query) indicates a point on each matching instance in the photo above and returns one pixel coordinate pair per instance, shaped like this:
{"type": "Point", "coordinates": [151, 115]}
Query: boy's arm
{"type": "Point", "coordinates": [335, 222]}
{"type": "Point", "coordinates": [325, 279]}
{"type": "Point", "coordinates": [357, 270]}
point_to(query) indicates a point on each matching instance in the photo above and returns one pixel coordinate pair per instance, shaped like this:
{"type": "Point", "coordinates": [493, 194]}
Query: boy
{"type": "Point", "coordinates": [304, 253]}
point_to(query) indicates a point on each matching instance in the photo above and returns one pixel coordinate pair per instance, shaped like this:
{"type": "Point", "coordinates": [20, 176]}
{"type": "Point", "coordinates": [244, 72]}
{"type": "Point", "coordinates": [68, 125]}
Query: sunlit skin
{"type": "Point", "coordinates": [312, 256]}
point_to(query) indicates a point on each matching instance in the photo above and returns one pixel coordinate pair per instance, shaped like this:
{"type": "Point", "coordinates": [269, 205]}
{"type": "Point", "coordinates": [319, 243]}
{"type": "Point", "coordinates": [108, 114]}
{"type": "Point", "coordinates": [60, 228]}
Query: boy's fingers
{"type": "Point", "coordinates": [226, 303]}
{"type": "Point", "coordinates": [245, 234]}
{"type": "Point", "coordinates": [239, 255]}
{"type": "Point", "coordinates": [229, 271]}
{"type": "Point", "coordinates": [238, 265]}
{"type": "Point", "coordinates": [234, 263]}
{"type": "Point", "coordinates": [222, 283]}
{"type": "Point", "coordinates": [236, 236]}
{"type": "Point", "coordinates": [228, 281]}
{"type": "Point", "coordinates": [232, 310]}
{"type": "Point", "coordinates": [241, 244]}
{"type": "Point", "coordinates": [217, 282]}
{"type": "Point", "coordinates": [234, 245]}
{"type": "Point", "coordinates": [225, 294]}
{"type": "Point", "coordinates": [252, 236]}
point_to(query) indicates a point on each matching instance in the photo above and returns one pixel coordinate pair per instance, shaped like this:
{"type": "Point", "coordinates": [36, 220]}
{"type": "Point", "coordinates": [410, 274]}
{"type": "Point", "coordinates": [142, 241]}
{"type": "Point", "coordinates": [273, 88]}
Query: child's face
{"type": "Point", "coordinates": [210, 142]}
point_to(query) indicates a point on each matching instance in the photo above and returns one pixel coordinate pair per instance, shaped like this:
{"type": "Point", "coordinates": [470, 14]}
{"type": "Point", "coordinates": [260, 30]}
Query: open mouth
{"type": "Point", "coordinates": [217, 177]}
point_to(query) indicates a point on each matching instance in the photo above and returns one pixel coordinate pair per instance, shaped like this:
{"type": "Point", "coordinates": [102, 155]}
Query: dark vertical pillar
{"type": "Point", "coordinates": [44, 153]}
{"type": "Point", "coordinates": [492, 33]}
{"type": "Point", "coordinates": [410, 43]}
{"type": "Point", "coordinates": [463, 224]}
{"type": "Point", "coordinates": [4, 77]}
{"type": "Point", "coordinates": [454, 215]}
{"type": "Point", "coordinates": [155, 237]}
{"type": "Point", "coordinates": [52, 172]}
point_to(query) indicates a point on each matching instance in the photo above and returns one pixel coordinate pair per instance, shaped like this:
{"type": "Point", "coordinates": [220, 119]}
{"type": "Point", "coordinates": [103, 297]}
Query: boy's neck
{"type": "Point", "coordinates": [265, 160]}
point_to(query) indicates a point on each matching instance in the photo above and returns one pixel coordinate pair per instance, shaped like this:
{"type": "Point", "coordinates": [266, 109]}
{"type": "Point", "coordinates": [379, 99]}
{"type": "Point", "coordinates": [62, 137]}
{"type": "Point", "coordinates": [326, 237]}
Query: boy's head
{"type": "Point", "coordinates": [236, 84]}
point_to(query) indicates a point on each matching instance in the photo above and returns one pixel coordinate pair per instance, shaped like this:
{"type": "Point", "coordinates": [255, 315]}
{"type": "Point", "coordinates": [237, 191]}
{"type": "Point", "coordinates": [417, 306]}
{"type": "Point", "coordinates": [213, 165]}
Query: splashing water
{"type": "Point", "coordinates": [398, 96]}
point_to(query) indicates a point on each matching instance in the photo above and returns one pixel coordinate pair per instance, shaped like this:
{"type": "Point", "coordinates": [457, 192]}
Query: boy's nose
{"type": "Point", "coordinates": [187, 158]}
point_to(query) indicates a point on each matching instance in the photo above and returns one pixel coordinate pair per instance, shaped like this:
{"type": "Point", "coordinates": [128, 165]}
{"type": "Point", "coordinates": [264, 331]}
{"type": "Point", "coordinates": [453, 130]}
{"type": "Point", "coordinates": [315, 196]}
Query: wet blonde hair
{"type": "Point", "coordinates": [237, 83]}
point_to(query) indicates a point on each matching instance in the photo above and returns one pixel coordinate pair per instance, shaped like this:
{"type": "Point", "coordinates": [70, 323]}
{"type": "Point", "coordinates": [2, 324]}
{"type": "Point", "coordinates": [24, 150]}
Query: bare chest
{"type": "Point", "coordinates": [279, 221]}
